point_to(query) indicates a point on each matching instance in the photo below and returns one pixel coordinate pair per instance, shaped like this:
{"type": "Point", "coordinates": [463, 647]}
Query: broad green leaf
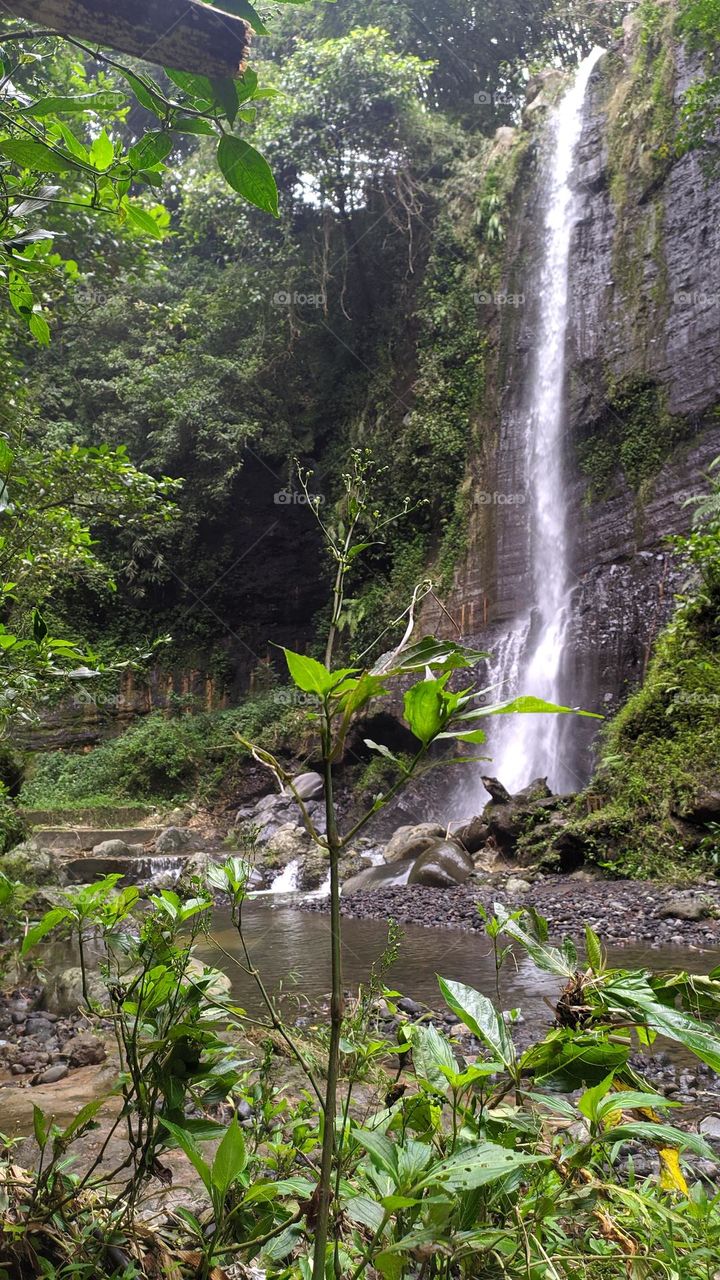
{"type": "Point", "coordinates": [570, 1059]}
{"type": "Point", "coordinates": [245, 10]}
{"type": "Point", "coordinates": [549, 959]}
{"type": "Point", "coordinates": [633, 1100]}
{"type": "Point", "coordinates": [380, 1147]}
{"type": "Point", "coordinates": [187, 1144]}
{"type": "Point", "coordinates": [230, 1158]}
{"type": "Point", "coordinates": [102, 151]}
{"type": "Point", "coordinates": [193, 124]}
{"type": "Point", "coordinates": [144, 221]}
{"type": "Point", "coordinates": [593, 949]}
{"type": "Point", "coordinates": [527, 705]}
{"type": "Point", "coordinates": [425, 709]}
{"type": "Point", "coordinates": [632, 995]}
{"type": "Point", "coordinates": [83, 1117]}
{"type": "Point", "coordinates": [248, 173]}
{"type": "Point", "coordinates": [589, 1102]}
{"type": "Point", "coordinates": [35, 155]}
{"type": "Point", "coordinates": [225, 96]}
{"type": "Point", "coordinates": [45, 926]}
{"type": "Point", "coordinates": [477, 1166]}
{"type": "Point", "coordinates": [664, 1134]}
{"type": "Point", "coordinates": [432, 1053]}
{"type": "Point", "coordinates": [480, 1015]}
{"type": "Point", "coordinates": [150, 150]}
{"type": "Point", "coordinates": [364, 1210]}
{"type": "Point", "coordinates": [308, 674]}
{"type": "Point", "coordinates": [39, 328]}
{"type": "Point", "coordinates": [103, 100]}
{"type": "Point", "coordinates": [40, 1128]}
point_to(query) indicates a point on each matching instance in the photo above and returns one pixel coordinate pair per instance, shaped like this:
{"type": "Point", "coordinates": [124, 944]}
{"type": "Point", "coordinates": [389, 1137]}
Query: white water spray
{"type": "Point", "coordinates": [526, 747]}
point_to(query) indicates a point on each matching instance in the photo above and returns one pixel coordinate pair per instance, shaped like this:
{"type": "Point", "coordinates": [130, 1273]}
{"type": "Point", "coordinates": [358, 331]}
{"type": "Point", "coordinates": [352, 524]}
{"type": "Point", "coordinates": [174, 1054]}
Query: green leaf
{"type": "Point", "coordinates": [35, 155]}
{"type": "Point", "coordinates": [432, 1053]}
{"type": "Point", "coordinates": [364, 1210]}
{"type": "Point", "coordinates": [570, 1059]}
{"type": "Point", "coordinates": [39, 328]}
{"type": "Point", "coordinates": [39, 1126]}
{"type": "Point", "coordinates": [103, 100]}
{"type": "Point", "coordinates": [666, 1134]}
{"type": "Point", "coordinates": [244, 10]}
{"type": "Point", "coordinates": [380, 1148]}
{"type": "Point", "coordinates": [425, 709]}
{"type": "Point", "coordinates": [429, 652]}
{"type": "Point", "coordinates": [151, 150]}
{"type": "Point", "coordinates": [248, 173]}
{"type": "Point", "coordinates": [593, 949]}
{"type": "Point", "coordinates": [308, 674]}
{"type": "Point", "coordinates": [83, 1117]}
{"type": "Point", "coordinates": [144, 221]}
{"type": "Point", "coordinates": [187, 1144]}
{"type": "Point", "coordinates": [478, 1166]}
{"type": "Point", "coordinates": [589, 1102]}
{"type": "Point", "coordinates": [480, 1015]}
{"type": "Point", "coordinates": [549, 959]}
{"type": "Point", "coordinates": [193, 124]}
{"type": "Point", "coordinates": [102, 151]}
{"type": "Point", "coordinates": [50, 921]}
{"type": "Point", "coordinates": [230, 1158]}
{"type": "Point", "coordinates": [631, 994]}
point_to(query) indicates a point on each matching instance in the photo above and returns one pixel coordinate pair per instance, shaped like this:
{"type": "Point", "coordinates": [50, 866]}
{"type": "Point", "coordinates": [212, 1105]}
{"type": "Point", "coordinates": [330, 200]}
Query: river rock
{"type": "Point", "coordinates": [443, 864]}
{"type": "Point", "coordinates": [30, 864]}
{"type": "Point", "coordinates": [686, 907]}
{"type": "Point", "coordinates": [111, 849]}
{"type": "Point", "coordinates": [218, 988]}
{"type": "Point", "coordinates": [314, 870]}
{"type": "Point", "coordinates": [516, 887]}
{"type": "Point", "coordinates": [52, 1074]}
{"type": "Point", "coordinates": [308, 785]}
{"type": "Point", "coordinates": [538, 789]}
{"type": "Point", "coordinates": [473, 835]}
{"type": "Point", "coordinates": [172, 840]}
{"type": "Point", "coordinates": [64, 992]}
{"type": "Point", "coordinates": [84, 1050]}
{"type": "Point", "coordinates": [412, 840]}
{"type": "Point", "coordinates": [288, 844]}
{"type": "Point", "coordinates": [709, 1126]}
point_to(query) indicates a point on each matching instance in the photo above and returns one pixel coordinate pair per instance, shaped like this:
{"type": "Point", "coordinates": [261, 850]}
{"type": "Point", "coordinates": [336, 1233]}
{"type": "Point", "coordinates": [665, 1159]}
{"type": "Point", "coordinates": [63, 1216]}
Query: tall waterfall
{"type": "Point", "coordinates": [529, 660]}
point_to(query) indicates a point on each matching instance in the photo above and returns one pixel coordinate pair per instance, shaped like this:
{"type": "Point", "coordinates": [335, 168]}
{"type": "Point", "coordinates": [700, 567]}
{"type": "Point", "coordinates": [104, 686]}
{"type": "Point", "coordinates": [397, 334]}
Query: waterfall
{"type": "Point", "coordinates": [530, 659]}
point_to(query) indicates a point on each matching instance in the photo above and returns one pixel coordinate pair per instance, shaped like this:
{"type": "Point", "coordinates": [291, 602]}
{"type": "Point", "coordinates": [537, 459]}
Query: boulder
{"type": "Point", "coordinates": [689, 906]}
{"type": "Point", "coordinates": [705, 808]}
{"type": "Point", "coordinates": [384, 877]}
{"type": "Point", "coordinates": [111, 849]}
{"type": "Point", "coordinates": [412, 840]}
{"type": "Point", "coordinates": [84, 1050]}
{"type": "Point", "coordinates": [286, 845]}
{"type": "Point", "coordinates": [473, 834]}
{"type": "Point", "coordinates": [64, 992]}
{"type": "Point", "coordinates": [498, 793]}
{"type": "Point", "coordinates": [308, 785]}
{"type": "Point", "coordinates": [172, 840]}
{"type": "Point", "coordinates": [219, 987]}
{"type": "Point", "coordinates": [516, 887]}
{"type": "Point", "coordinates": [443, 864]}
{"type": "Point", "coordinates": [30, 864]}
{"type": "Point", "coordinates": [51, 1075]}
{"type": "Point", "coordinates": [538, 789]}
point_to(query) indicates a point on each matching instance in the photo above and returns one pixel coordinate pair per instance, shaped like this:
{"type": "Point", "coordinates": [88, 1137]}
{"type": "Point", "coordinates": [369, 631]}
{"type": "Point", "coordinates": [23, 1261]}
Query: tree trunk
{"type": "Point", "coordinates": [185, 35]}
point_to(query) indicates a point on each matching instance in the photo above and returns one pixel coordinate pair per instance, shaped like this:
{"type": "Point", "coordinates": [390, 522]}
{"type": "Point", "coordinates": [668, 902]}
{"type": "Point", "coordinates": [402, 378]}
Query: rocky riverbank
{"type": "Point", "coordinates": [620, 911]}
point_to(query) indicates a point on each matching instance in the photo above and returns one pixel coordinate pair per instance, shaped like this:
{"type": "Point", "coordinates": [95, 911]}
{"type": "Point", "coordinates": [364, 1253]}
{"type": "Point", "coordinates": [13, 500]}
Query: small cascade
{"type": "Point", "coordinates": [530, 658]}
{"type": "Point", "coordinates": [287, 881]}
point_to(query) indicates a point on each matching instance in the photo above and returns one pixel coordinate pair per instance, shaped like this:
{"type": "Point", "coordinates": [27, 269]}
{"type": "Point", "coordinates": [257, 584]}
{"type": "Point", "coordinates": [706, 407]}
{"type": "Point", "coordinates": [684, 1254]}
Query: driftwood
{"type": "Point", "coordinates": [185, 35]}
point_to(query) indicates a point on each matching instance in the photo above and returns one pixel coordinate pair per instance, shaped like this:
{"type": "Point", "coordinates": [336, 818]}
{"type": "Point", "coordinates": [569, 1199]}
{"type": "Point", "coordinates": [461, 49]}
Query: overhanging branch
{"type": "Point", "coordinates": [185, 35]}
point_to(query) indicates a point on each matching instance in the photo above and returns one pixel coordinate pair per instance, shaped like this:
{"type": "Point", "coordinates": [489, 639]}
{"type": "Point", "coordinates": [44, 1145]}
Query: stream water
{"type": "Point", "coordinates": [291, 948]}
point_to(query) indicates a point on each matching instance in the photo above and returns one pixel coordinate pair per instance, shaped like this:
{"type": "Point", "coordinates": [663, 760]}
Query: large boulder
{"type": "Point", "coordinates": [412, 840]}
{"type": "Point", "coordinates": [443, 864]}
{"type": "Point", "coordinates": [384, 877]}
{"type": "Point", "coordinates": [473, 835]}
{"type": "Point", "coordinates": [308, 785]}
{"type": "Point", "coordinates": [172, 840]}
{"type": "Point", "coordinates": [112, 849]}
{"type": "Point", "coordinates": [704, 809]}
{"type": "Point", "coordinates": [30, 864]}
{"type": "Point", "coordinates": [288, 844]}
{"type": "Point", "coordinates": [64, 996]}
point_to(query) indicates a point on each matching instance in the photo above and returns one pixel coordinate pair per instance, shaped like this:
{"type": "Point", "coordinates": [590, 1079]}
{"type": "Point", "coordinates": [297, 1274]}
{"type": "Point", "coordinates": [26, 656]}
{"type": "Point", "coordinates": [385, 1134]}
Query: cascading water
{"type": "Point", "coordinates": [529, 660]}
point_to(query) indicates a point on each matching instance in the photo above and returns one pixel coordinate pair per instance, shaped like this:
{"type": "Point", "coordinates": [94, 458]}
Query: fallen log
{"type": "Point", "coordinates": [185, 35]}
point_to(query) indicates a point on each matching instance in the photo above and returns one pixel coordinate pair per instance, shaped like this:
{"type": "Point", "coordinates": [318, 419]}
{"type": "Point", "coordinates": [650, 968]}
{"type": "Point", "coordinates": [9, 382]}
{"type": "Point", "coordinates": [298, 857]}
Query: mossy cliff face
{"type": "Point", "coordinates": [643, 372]}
